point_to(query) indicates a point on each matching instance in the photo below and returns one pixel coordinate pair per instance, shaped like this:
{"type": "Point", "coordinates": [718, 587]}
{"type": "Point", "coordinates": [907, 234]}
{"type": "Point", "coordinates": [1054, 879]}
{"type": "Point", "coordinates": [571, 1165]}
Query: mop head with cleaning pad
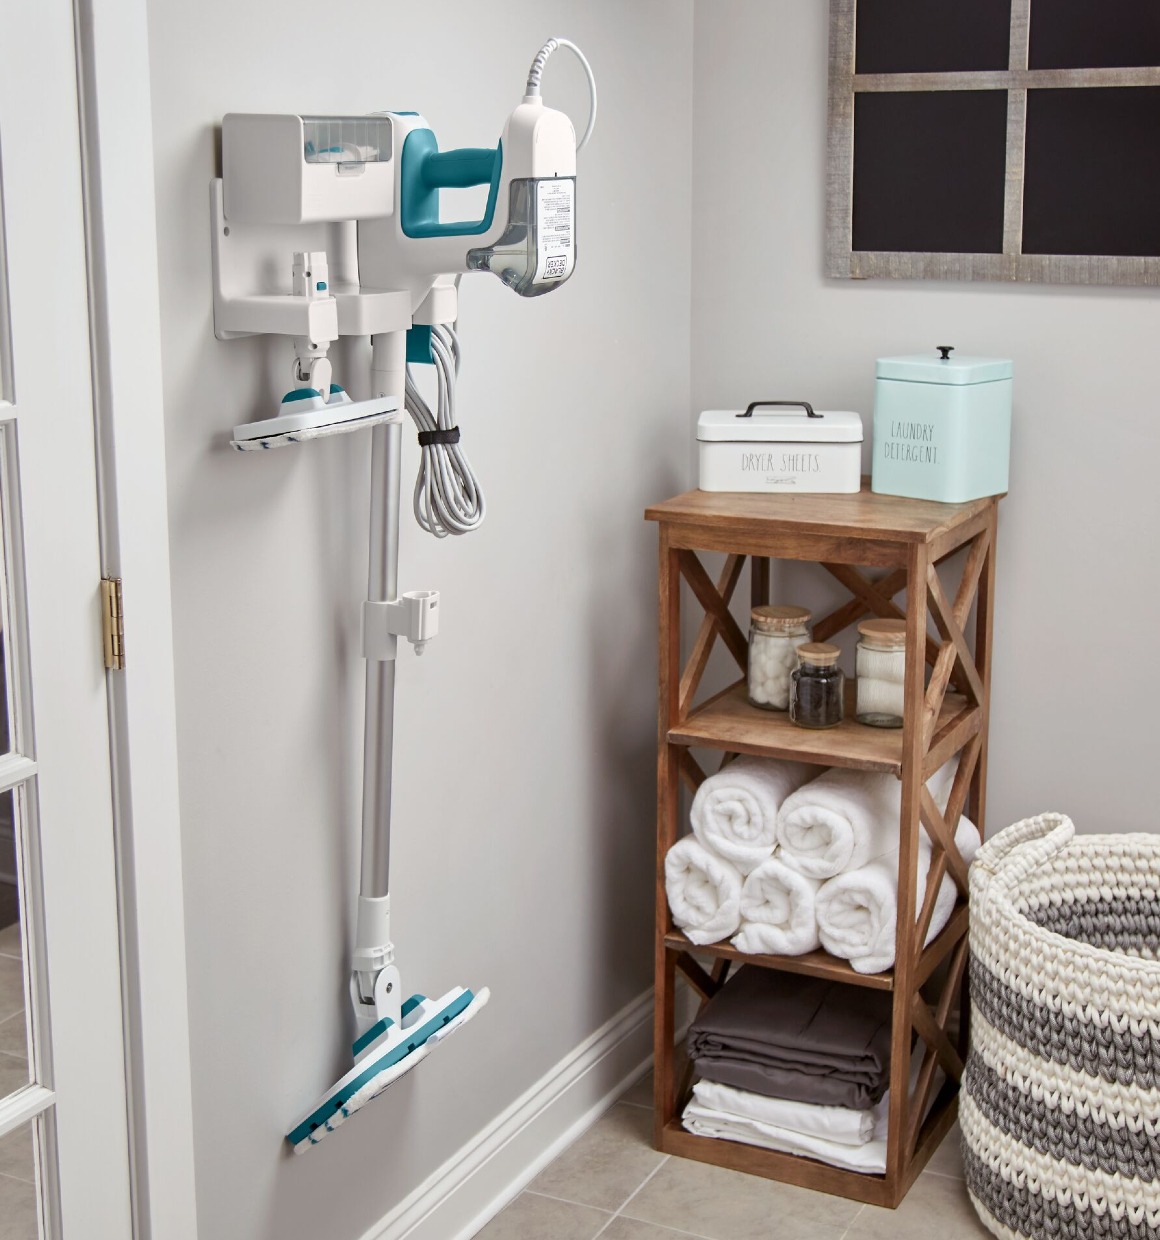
{"type": "Point", "coordinates": [386, 1052]}
{"type": "Point", "coordinates": [304, 414]}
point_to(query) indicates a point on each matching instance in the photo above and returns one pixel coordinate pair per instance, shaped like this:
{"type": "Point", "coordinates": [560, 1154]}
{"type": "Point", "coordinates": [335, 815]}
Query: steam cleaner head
{"type": "Point", "coordinates": [383, 1055]}
{"type": "Point", "coordinates": [304, 414]}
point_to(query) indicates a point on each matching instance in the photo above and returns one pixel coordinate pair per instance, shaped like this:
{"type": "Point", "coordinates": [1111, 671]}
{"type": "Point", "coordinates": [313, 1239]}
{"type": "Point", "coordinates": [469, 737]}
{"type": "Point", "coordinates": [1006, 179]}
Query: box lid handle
{"type": "Point", "coordinates": [797, 404]}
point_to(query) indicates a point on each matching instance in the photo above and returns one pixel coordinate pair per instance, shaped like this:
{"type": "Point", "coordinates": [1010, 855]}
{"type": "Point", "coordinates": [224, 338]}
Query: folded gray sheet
{"type": "Point", "coordinates": [787, 1036]}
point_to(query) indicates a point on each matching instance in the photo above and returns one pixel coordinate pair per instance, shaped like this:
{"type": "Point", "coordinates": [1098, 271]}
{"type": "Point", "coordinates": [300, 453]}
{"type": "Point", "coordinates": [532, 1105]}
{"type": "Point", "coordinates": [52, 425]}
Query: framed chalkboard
{"type": "Point", "coordinates": [994, 140]}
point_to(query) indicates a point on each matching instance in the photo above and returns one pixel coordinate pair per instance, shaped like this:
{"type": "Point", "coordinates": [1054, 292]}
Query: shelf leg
{"type": "Point", "coordinates": [984, 637]}
{"type": "Point", "coordinates": [668, 811]}
{"type": "Point", "coordinates": [758, 580]}
{"type": "Point", "coordinates": [906, 953]}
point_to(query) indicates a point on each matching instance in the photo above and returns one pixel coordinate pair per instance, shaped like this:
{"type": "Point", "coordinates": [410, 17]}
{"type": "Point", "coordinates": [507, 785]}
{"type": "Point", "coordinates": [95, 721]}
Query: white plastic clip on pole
{"type": "Point", "coordinates": [415, 616]}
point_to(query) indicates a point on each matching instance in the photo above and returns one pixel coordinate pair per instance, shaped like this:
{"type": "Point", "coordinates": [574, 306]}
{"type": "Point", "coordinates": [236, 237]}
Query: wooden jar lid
{"type": "Point", "coordinates": [820, 654]}
{"type": "Point", "coordinates": [884, 634]}
{"type": "Point", "coordinates": [779, 618]}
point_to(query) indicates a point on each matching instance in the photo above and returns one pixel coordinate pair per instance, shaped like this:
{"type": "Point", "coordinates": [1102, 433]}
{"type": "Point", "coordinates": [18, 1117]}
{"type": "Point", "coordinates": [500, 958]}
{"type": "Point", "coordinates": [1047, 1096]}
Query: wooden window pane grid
{"type": "Point", "coordinates": [1012, 264]}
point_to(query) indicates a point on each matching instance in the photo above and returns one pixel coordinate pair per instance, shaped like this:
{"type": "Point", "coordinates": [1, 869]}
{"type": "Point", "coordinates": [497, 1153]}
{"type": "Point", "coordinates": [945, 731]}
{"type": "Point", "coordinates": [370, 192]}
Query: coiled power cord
{"type": "Point", "coordinates": [448, 498]}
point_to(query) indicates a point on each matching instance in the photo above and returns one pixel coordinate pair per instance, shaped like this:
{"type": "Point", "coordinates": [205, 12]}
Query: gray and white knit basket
{"type": "Point", "coordinates": [1060, 1108]}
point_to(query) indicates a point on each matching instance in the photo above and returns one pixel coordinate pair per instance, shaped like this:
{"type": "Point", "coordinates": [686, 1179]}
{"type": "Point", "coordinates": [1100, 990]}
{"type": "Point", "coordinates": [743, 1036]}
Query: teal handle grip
{"type": "Point", "coordinates": [459, 169]}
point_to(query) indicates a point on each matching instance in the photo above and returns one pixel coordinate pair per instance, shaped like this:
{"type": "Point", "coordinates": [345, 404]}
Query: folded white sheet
{"type": "Point", "coordinates": [841, 1124]}
{"type": "Point", "coordinates": [777, 912]}
{"type": "Point", "coordinates": [741, 1119]}
{"type": "Point", "coordinates": [704, 891]}
{"type": "Point", "coordinates": [868, 1156]}
{"type": "Point", "coordinates": [858, 912]}
{"type": "Point", "coordinates": [844, 818]}
{"type": "Point", "coordinates": [735, 811]}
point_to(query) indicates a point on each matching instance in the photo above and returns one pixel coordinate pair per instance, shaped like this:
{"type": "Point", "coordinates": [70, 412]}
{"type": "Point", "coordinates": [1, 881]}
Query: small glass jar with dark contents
{"type": "Point", "coordinates": [817, 687]}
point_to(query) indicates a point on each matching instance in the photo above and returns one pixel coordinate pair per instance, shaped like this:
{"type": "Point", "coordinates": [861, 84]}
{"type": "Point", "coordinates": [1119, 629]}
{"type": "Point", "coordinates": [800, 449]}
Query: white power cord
{"type": "Point", "coordinates": [537, 69]}
{"type": "Point", "coordinates": [448, 497]}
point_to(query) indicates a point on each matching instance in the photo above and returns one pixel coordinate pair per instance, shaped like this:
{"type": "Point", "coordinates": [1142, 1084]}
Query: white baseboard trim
{"type": "Point", "coordinates": [478, 1180]}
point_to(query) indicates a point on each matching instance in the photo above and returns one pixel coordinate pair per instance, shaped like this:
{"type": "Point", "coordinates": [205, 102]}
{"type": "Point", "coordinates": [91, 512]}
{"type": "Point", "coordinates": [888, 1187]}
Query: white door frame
{"type": "Point", "coordinates": [120, 214]}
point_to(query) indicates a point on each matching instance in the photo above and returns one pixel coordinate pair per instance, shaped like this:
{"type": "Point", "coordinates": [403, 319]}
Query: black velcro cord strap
{"type": "Point", "coordinates": [428, 438]}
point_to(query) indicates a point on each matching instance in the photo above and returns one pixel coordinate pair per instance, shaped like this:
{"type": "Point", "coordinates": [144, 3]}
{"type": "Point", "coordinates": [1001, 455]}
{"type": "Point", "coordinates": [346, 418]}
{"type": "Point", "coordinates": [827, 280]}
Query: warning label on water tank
{"type": "Point", "coordinates": [555, 229]}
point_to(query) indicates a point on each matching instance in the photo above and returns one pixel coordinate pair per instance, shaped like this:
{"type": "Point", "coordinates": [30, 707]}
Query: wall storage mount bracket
{"type": "Point", "coordinates": [252, 282]}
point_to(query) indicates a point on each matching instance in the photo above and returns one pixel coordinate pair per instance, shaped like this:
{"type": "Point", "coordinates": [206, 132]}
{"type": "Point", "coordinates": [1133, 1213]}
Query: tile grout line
{"type": "Point", "coordinates": [630, 1196]}
{"type": "Point", "coordinates": [850, 1224]}
{"type": "Point", "coordinates": [564, 1201]}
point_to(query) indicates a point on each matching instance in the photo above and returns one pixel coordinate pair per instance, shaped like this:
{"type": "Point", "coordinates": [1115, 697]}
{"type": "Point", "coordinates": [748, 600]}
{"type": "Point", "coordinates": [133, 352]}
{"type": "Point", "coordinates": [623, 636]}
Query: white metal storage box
{"type": "Point", "coordinates": [779, 445]}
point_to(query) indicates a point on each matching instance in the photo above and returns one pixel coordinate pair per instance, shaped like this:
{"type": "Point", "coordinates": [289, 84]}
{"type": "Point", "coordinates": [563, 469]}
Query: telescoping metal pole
{"type": "Point", "coordinates": [373, 951]}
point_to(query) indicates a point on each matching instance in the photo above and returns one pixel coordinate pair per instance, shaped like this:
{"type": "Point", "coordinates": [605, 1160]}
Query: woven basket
{"type": "Point", "coordinates": [1060, 1107]}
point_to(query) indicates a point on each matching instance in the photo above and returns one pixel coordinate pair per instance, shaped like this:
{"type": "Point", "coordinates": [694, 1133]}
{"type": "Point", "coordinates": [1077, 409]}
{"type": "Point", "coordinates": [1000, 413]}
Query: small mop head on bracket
{"type": "Point", "coordinates": [304, 414]}
{"type": "Point", "coordinates": [385, 1053]}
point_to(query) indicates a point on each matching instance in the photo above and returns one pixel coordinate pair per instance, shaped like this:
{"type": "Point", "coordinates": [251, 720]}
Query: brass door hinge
{"type": "Point", "coordinates": [113, 623]}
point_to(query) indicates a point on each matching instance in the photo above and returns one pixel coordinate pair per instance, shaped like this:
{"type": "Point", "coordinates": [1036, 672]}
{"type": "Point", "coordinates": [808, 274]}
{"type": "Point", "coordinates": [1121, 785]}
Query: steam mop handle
{"type": "Point", "coordinates": [458, 169]}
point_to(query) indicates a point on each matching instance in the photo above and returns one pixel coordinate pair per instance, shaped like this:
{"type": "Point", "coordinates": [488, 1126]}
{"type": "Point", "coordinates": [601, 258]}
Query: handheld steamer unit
{"type": "Point", "coordinates": [326, 227]}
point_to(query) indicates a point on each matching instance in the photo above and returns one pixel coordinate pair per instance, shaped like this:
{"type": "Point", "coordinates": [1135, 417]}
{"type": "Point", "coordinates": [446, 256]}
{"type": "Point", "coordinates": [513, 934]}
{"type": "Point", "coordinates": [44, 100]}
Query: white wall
{"type": "Point", "coordinates": [525, 754]}
{"type": "Point", "coordinates": [524, 791]}
{"type": "Point", "coordinates": [1076, 673]}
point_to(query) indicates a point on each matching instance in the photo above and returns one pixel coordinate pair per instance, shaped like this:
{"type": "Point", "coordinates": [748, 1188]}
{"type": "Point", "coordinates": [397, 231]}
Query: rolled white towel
{"type": "Point", "coordinates": [704, 891]}
{"type": "Point", "coordinates": [858, 911]}
{"type": "Point", "coordinates": [735, 811]}
{"type": "Point", "coordinates": [844, 818]}
{"type": "Point", "coordinates": [777, 912]}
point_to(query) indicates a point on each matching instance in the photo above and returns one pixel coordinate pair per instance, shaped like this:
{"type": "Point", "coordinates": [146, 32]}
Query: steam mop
{"type": "Point", "coordinates": [359, 197]}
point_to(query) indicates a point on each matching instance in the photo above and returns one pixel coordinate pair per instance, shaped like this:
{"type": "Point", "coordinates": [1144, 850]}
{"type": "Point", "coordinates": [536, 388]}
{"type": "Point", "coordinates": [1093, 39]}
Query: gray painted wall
{"type": "Point", "coordinates": [524, 793]}
{"type": "Point", "coordinates": [525, 749]}
{"type": "Point", "coordinates": [1076, 673]}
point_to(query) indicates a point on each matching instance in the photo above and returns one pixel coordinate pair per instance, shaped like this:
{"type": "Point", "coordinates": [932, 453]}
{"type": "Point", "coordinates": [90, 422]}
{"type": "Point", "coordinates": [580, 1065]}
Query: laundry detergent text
{"type": "Point", "coordinates": [911, 442]}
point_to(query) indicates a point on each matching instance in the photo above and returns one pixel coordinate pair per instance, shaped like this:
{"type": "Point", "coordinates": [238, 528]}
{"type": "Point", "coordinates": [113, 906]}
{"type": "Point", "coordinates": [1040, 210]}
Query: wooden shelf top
{"type": "Point", "coordinates": [816, 964]}
{"type": "Point", "coordinates": [727, 721]}
{"type": "Point", "coordinates": [864, 515]}
{"type": "Point", "coordinates": [822, 964]}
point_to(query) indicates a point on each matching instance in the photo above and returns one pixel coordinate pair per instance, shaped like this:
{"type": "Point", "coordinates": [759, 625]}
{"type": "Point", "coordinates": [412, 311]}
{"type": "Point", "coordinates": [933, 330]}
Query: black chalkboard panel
{"type": "Point", "coordinates": [1092, 34]}
{"type": "Point", "coordinates": [931, 36]}
{"type": "Point", "coordinates": [929, 171]}
{"type": "Point", "coordinates": [1091, 171]}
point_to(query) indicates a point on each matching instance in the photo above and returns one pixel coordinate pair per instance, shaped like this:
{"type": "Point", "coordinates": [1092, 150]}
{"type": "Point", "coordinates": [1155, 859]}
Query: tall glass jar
{"type": "Point", "coordinates": [817, 687]}
{"type": "Point", "coordinates": [775, 633]}
{"type": "Point", "coordinates": [880, 661]}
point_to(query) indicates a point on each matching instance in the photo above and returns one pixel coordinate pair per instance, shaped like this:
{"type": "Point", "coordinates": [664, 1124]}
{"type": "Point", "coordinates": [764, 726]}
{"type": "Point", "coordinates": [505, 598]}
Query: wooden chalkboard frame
{"type": "Point", "coordinates": [842, 261]}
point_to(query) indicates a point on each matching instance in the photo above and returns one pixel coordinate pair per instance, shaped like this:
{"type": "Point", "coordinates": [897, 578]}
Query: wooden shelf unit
{"type": "Point", "coordinates": [947, 697]}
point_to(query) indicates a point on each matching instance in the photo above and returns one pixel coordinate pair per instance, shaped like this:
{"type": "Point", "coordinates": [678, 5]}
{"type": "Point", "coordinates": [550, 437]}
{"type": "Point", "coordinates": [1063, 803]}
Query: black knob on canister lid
{"type": "Point", "coordinates": [945, 350]}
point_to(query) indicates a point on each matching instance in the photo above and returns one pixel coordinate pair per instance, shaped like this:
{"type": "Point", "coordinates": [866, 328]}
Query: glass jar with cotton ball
{"type": "Point", "coordinates": [775, 633]}
{"type": "Point", "coordinates": [880, 663]}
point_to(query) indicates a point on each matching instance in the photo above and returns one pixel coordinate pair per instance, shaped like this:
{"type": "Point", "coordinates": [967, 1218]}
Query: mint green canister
{"type": "Point", "coordinates": [942, 426]}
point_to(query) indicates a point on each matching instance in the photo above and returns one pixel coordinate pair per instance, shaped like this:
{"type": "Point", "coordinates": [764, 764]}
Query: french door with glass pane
{"type": "Point", "coordinates": [64, 1165]}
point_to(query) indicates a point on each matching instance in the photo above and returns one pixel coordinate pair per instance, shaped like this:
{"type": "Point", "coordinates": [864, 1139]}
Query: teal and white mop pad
{"type": "Point", "coordinates": [386, 1052]}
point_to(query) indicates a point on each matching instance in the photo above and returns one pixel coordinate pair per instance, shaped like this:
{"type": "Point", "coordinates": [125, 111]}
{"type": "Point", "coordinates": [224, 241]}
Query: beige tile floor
{"type": "Point", "coordinates": [17, 1186]}
{"type": "Point", "coordinates": [611, 1183]}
